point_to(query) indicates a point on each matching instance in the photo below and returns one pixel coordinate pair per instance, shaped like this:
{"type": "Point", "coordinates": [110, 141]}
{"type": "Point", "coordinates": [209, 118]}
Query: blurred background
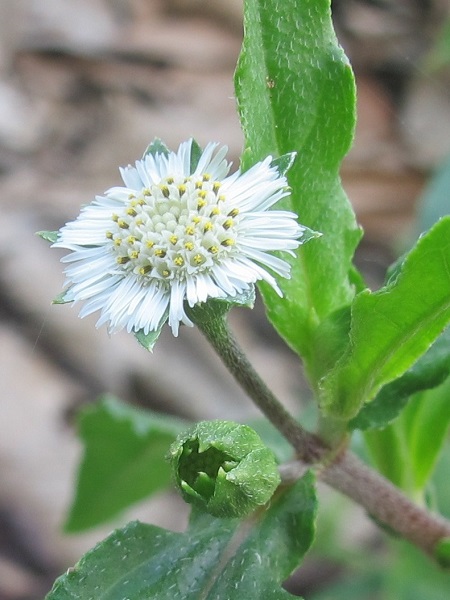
{"type": "Point", "coordinates": [85, 85]}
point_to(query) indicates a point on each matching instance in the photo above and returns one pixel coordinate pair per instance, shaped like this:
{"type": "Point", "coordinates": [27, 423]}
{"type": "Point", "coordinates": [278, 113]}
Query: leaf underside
{"type": "Point", "coordinates": [124, 460]}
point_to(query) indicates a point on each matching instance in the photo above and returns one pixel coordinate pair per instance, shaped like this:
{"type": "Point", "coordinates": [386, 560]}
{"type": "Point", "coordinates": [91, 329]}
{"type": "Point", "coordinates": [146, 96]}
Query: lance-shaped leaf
{"type": "Point", "coordinates": [394, 326]}
{"type": "Point", "coordinates": [428, 372]}
{"type": "Point", "coordinates": [295, 93]}
{"type": "Point", "coordinates": [427, 420]}
{"type": "Point", "coordinates": [124, 460]}
{"type": "Point", "coordinates": [407, 451]}
{"type": "Point", "coordinates": [215, 558]}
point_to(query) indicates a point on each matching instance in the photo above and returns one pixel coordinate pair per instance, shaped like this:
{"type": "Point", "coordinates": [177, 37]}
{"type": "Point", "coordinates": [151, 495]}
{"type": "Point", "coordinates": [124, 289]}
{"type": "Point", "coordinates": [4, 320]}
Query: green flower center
{"type": "Point", "coordinates": [178, 228]}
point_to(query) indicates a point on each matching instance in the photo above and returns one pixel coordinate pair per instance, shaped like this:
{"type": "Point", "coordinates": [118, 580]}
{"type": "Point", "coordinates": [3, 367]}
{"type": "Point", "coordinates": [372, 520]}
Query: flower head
{"type": "Point", "coordinates": [181, 230]}
{"type": "Point", "coordinates": [224, 468]}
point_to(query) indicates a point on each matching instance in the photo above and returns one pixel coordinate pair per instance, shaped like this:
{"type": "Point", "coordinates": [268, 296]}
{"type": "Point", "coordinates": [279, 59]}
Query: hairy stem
{"type": "Point", "coordinates": [308, 447]}
{"type": "Point", "coordinates": [342, 471]}
{"type": "Point", "coordinates": [385, 502]}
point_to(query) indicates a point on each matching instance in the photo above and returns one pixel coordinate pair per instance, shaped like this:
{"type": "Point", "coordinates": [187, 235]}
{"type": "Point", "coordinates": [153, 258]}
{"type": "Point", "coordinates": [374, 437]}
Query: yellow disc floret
{"type": "Point", "coordinates": [175, 229]}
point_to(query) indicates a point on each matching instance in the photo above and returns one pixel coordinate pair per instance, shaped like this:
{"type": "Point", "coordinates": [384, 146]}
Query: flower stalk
{"type": "Point", "coordinates": [215, 328]}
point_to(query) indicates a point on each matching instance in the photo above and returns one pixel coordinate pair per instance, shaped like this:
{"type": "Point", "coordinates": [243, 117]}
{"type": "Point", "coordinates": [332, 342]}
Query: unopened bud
{"type": "Point", "coordinates": [224, 468]}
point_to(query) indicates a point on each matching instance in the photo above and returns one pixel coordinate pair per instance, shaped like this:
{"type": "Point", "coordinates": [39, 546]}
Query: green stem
{"type": "Point", "coordinates": [308, 447]}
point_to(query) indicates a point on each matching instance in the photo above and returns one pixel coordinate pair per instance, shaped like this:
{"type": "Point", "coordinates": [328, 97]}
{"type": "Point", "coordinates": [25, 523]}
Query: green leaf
{"type": "Point", "coordinates": [124, 460]}
{"type": "Point", "coordinates": [406, 451]}
{"type": "Point", "coordinates": [295, 93]}
{"type": "Point", "coordinates": [148, 340]}
{"type": "Point", "coordinates": [61, 298]}
{"type": "Point", "coordinates": [440, 484]}
{"type": "Point", "coordinates": [388, 451]}
{"type": "Point", "coordinates": [428, 372]}
{"type": "Point", "coordinates": [394, 326]}
{"type": "Point", "coordinates": [215, 558]}
{"type": "Point", "coordinates": [356, 279]}
{"type": "Point", "coordinates": [284, 163]}
{"type": "Point", "coordinates": [330, 340]}
{"type": "Point", "coordinates": [196, 153]}
{"type": "Point", "coordinates": [439, 56]}
{"type": "Point", "coordinates": [443, 552]}
{"type": "Point", "coordinates": [426, 421]}
{"type": "Point", "coordinates": [273, 549]}
{"type": "Point", "coordinates": [156, 147]}
{"type": "Point", "coordinates": [48, 236]}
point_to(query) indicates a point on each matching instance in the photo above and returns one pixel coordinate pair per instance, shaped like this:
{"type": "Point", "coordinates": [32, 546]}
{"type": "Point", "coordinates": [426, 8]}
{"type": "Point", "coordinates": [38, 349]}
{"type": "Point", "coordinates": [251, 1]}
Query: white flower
{"type": "Point", "coordinates": [172, 236]}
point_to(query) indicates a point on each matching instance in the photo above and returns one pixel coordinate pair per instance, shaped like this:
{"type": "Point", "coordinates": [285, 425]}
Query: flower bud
{"type": "Point", "coordinates": [224, 468]}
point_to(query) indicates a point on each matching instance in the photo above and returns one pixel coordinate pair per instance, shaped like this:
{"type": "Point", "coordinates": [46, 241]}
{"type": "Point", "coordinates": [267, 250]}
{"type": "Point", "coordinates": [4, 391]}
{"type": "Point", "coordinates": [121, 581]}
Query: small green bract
{"type": "Point", "coordinates": [224, 468]}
